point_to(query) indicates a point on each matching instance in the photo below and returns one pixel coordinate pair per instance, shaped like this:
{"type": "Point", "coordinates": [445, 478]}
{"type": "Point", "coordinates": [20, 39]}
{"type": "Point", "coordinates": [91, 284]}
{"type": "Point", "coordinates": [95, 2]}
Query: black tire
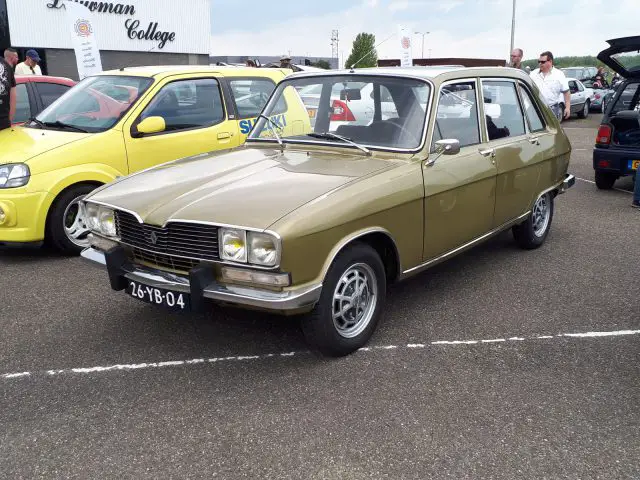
{"type": "Point", "coordinates": [584, 113]}
{"type": "Point", "coordinates": [319, 328]}
{"type": "Point", "coordinates": [56, 235]}
{"type": "Point", "coordinates": [525, 234]}
{"type": "Point", "coordinates": [605, 180]}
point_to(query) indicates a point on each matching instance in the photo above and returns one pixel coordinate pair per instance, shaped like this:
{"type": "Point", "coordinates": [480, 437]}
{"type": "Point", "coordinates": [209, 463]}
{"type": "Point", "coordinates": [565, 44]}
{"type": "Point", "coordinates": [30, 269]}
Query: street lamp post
{"type": "Point", "coordinates": [423, 34]}
{"type": "Point", "coordinates": [513, 25]}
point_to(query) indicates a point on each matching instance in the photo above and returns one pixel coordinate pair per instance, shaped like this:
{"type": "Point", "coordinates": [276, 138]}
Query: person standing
{"type": "Point", "coordinates": [516, 59]}
{"type": "Point", "coordinates": [7, 94]}
{"type": "Point", "coordinates": [11, 56]}
{"type": "Point", "coordinates": [30, 65]}
{"type": "Point", "coordinates": [553, 86]}
{"type": "Point", "coordinates": [635, 203]}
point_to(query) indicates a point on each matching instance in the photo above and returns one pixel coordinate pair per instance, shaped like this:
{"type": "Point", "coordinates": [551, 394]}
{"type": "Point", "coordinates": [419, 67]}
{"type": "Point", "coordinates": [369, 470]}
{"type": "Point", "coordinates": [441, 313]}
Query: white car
{"type": "Point", "coordinates": [581, 97]}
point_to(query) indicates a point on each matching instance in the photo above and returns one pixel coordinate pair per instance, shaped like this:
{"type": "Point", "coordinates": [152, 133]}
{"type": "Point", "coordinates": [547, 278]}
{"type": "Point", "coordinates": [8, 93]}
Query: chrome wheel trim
{"type": "Point", "coordinates": [585, 110]}
{"type": "Point", "coordinates": [354, 300]}
{"type": "Point", "coordinates": [541, 215]}
{"type": "Point", "coordinates": [74, 224]}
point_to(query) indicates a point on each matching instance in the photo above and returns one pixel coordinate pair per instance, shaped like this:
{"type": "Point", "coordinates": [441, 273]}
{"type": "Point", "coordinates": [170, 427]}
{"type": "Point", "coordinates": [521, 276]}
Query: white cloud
{"type": "Point", "coordinates": [581, 30]}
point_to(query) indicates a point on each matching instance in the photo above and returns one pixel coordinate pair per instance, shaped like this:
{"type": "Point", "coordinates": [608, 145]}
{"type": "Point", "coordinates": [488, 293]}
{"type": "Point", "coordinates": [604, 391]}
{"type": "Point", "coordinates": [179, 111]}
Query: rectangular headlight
{"type": "Point", "coordinates": [233, 245]}
{"type": "Point", "coordinates": [256, 278]}
{"type": "Point", "coordinates": [264, 249]}
{"type": "Point", "coordinates": [100, 219]}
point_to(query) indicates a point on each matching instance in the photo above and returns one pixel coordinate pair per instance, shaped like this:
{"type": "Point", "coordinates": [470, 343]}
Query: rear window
{"type": "Point", "coordinates": [628, 99]}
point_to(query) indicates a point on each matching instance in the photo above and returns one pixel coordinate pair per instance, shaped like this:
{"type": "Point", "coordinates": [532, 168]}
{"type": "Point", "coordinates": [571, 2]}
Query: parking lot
{"type": "Point", "coordinates": [500, 363]}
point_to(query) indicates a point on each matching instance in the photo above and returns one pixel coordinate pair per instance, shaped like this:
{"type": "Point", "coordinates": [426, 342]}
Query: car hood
{"type": "Point", "coordinates": [247, 187]}
{"type": "Point", "coordinates": [19, 144]}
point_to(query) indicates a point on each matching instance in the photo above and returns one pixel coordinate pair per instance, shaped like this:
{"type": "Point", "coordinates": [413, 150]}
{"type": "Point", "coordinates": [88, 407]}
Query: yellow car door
{"type": "Point", "coordinates": [184, 116]}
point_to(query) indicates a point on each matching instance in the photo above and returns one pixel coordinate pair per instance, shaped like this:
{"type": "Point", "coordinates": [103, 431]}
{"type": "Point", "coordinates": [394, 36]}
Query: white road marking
{"type": "Point", "coordinates": [614, 188]}
{"type": "Point", "coordinates": [243, 358]}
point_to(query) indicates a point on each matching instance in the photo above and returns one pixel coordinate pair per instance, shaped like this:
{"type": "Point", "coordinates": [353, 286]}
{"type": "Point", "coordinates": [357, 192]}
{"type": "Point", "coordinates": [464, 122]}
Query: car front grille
{"type": "Point", "coordinates": [178, 246]}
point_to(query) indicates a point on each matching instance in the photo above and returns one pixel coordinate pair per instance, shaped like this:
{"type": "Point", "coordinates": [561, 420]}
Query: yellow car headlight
{"type": "Point", "coordinates": [233, 245]}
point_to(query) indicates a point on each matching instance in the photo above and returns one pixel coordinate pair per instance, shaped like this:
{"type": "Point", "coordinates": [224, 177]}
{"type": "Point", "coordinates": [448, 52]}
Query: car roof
{"type": "Point", "coordinates": [44, 78]}
{"type": "Point", "coordinates": [161, 71]}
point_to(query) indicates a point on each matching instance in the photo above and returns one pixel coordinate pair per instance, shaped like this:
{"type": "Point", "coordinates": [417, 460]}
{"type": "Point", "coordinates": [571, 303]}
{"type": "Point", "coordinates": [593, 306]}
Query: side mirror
{"type": "Point", "coordinates": [447, 146]}
{"type": "Point", "coordinates": [151, 125]}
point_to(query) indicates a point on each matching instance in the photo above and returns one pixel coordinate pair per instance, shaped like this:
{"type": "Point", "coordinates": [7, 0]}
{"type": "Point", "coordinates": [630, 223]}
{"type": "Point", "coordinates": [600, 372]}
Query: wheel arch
{"type": "Point", "coordinates": [380, 240]}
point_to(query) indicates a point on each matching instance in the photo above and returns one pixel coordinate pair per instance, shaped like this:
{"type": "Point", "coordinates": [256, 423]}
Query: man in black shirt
{"type": "Point", "coordinates": [7, 94]}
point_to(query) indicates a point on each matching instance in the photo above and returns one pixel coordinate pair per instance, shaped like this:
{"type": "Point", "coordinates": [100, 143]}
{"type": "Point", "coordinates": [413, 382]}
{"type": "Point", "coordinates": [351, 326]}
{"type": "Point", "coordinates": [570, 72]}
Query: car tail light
{"type": "Point", "coordinates": [604, 164]}
{"type": "Point", "coordinates": [341, 112]}
{"type": "Point", "coordinates": [597, 96]}
{"type": "Point", "coordinates": [604, 135]}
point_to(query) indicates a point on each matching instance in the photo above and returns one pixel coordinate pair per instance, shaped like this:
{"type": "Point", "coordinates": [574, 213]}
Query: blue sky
{"type": "Point", "coordinates": [473, 28]}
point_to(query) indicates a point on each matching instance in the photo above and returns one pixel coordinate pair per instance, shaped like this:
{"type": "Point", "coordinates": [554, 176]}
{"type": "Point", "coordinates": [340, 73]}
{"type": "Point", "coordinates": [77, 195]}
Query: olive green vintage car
{"type": "Point", "coordinates": [389, 172]}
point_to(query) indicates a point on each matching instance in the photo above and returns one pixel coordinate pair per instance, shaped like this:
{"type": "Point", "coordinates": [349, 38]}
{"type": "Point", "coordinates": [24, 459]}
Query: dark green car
{"type": "Point", "coordinates": [319, 218]}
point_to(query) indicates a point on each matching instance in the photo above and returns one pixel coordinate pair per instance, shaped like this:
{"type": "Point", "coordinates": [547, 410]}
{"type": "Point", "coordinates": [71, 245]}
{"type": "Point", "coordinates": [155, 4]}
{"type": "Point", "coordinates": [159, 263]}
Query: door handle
{"type": "Point", "coordinates": [224, 135]}
{"type": "Point", "coordinates": [489, 152]}
{"type": "Point", "coordinates": [534, 141]}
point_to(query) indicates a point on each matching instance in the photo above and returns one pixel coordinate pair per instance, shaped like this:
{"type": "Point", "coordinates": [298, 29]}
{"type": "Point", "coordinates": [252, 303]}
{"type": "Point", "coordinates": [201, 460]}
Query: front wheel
{"type": "Point", "coordinates": [353, 295]}
{"type": "Point", "coordinates": [66, 229]}
{"type": "Point", "coordinates": [533, 232]}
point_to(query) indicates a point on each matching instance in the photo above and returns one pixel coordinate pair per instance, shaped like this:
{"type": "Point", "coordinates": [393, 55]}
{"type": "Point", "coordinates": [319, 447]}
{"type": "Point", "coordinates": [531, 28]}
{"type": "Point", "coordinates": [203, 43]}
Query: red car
{"type": "Point", "coordinates": [35, 93]}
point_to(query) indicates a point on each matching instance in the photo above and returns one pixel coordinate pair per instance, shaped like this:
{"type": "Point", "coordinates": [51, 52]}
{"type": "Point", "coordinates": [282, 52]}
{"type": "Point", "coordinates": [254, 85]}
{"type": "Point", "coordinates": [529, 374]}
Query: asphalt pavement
{"type": "Point", "coordinates": [500, 363]}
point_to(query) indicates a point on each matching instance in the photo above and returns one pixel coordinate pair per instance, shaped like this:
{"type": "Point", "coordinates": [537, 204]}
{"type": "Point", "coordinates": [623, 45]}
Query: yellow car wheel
{"type": "Point", "coordinates": [66, 227]}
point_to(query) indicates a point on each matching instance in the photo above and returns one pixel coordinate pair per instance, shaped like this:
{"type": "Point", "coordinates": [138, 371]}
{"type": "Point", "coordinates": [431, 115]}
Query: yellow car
{"type": "Point", "coordinates": [115, 124]}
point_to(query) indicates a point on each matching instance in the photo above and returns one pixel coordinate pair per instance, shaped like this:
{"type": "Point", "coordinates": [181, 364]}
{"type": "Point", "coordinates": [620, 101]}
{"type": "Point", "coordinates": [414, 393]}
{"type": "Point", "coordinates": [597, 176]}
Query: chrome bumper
{"type": "Point", "coordinates": [569, 181]}
{"type": "Point", "coordinates": [200, 284]}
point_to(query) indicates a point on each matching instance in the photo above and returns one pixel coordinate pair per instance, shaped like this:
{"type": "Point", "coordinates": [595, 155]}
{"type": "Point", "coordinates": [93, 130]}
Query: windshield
{"type": "Point", "coordinates": [629, 99]}
{"type": "Point", "coordinates": [95, 104]}
{"type": "Point", "coordinates": [371, 111]}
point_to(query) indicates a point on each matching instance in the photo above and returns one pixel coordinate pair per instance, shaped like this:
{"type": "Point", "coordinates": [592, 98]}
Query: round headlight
{"type": "Point", "coordinates": [91, 212]}
{"type": "Point", "coordinates": [107, 222]}
{"type": "Point", "coordinates": [233, 245]}
{"type": "Point", "coordinates": [263, 249]}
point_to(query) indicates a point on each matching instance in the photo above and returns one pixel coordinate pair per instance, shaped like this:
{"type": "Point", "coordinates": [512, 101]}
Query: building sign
{"type": "Point", "coordinates": [125, 25]}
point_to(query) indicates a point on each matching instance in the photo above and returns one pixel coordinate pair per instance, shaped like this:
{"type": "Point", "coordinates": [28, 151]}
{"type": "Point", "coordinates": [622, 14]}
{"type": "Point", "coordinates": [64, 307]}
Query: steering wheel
{"type": "Point", "coordinates": [403, 131]}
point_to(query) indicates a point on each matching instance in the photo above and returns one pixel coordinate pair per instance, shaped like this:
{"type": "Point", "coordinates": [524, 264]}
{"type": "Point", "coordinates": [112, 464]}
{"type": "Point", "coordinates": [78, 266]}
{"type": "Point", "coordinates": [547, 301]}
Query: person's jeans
{"type": "Point", "coordinates": [636, 190]}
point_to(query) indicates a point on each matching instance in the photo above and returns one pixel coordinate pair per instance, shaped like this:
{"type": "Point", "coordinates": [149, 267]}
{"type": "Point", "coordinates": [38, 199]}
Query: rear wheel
{"type": "Point", "coordinates": [605, 180]}
{"type": "Point", "coordinates": [584, 113]}
{"type": "Point", "coordinates": [66, 228]}
{"type": "Point", "coordinates": [533, 232]}
{"type": "Point", "coordinates": [352, 298]}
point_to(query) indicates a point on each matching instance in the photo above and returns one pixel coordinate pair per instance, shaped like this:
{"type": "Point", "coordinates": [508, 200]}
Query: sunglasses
{"type": "Point", "coordinates": [542, 61]}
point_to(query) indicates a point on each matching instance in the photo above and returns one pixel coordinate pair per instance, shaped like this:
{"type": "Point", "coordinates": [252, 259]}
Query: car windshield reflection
{"type": "Point", "coordinates": [373, 111]}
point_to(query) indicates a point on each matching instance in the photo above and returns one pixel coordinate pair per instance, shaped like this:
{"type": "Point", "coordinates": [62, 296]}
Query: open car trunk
{"type": "Point", "coordinates": [624, 116]}
{"type": "Point", "coordinates": [623, 56]}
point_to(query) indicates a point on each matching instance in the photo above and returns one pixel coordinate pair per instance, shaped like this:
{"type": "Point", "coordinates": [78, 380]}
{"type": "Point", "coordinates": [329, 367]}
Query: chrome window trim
{"type": "Point", "coordinates": [450, 82]}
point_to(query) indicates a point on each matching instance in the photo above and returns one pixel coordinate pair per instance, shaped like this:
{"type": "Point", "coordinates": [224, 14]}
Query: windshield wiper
{"type": "Point", "coordinates": [334, 136]}
{"type": "Point", "coordinates": [271, 124]}
{"type": "Point", "coordinates": [36, 121]}
{"type": "Point", "coordinates": [60, 124]}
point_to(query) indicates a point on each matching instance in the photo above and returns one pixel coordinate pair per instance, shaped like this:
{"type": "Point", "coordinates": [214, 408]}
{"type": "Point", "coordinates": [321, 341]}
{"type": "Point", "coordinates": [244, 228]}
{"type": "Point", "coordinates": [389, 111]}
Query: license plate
{"type": "Point", "coordinates": [159, 296]}
{"type": "Point", "coordinates": [312, 113]}
{"type": "Point", "coordinates": [634, 164]}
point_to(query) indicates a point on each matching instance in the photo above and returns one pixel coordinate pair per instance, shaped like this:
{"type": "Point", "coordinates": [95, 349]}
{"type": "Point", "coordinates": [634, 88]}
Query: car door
{"type": "Point", "coordinates": [510, 148]}
{"type": "Point", "coordinates": [248, 96]}
{"type": "Point", "coordinates": [25, 104]}
{"type": "Point", "coordinates": [196, 120]}
{"type": "Point", "coordinates": [577, 96]}
{"type": "Point", "coordinates": [460, 190]}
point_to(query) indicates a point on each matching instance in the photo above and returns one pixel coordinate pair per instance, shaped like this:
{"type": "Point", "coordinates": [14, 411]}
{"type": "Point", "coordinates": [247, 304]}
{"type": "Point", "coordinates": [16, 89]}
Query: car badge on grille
{"type": "Point", "coordinates": [153, 237]}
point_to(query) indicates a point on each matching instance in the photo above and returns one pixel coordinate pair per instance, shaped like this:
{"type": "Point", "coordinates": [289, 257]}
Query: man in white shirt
{"type": "Point", "coordinates": [30, 65]}
{"type": "Point", "coordinates": [553, 86]}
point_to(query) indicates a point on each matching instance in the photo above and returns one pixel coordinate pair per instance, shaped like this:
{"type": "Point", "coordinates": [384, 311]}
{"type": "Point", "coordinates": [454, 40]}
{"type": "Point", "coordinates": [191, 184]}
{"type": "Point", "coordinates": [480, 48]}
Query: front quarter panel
{"type": "Point", "coordinates": [390, 202]}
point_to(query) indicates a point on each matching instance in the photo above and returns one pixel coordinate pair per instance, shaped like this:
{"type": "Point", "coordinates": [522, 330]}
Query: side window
{"type": "Point", "coordinates": [503, 114]}
{"type": "Point", "coordinates": [457, 114]}
{"type": "Point", "coordinates": [580, 87]}
{"type": "Point", "coordinates": [573, 88]}
{"type": "Point", "coordinates": [50, 92]}
{"type": "Point", "coordinates": [187, 104]}
{"type": "Point", "coordinates": [535, 120]}
{"type": "Point", "coordinates": [23, 109]}
{"type": "Point", "coordinates": [251, 94]}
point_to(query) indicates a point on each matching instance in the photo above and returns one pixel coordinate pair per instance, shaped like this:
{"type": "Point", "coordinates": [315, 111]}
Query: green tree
{"type": "Point", "coordinates": [363, 46]}
{"type": "Point", "coordinates": [322, 64]}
